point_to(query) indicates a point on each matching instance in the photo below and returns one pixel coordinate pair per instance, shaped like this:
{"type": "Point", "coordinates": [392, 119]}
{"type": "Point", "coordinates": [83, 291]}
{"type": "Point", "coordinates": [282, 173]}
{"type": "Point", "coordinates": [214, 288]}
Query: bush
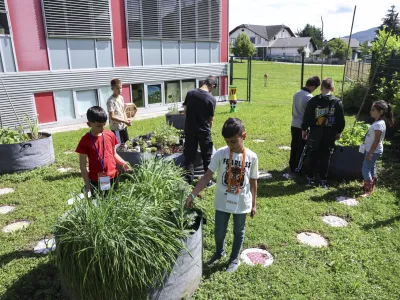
{"type": "Point", "coordinates": [353, 96]}
{"type": "Point", "coordinates": [354, 136]}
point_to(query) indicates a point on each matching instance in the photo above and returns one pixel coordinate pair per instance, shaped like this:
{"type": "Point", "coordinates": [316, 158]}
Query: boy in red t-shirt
{"type": "Point", "coordinates": [99, 146]}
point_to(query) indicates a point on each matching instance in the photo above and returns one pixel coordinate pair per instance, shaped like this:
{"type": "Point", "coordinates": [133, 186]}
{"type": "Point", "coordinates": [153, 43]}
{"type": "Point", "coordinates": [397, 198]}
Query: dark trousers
{"type": "Point", "coordinates": [192, 141]}
{"type": "Point", "coordinates": [321, 151]}
{"type": "Point", "coordinates": [296, 148]}
{"type": "Point", "coordinates": [122, 135]}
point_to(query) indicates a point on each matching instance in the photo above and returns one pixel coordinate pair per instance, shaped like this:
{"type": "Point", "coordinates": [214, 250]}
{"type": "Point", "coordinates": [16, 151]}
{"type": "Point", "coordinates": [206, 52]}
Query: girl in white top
{"type": "Point", "coordinates": [373, 144]}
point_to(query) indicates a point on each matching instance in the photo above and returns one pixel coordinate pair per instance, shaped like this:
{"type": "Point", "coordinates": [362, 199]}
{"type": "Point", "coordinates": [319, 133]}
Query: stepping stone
{"type": "Point", "coordinates": [264, 175]}
{"type": "Point", "coordinates": [286, 148]}
{"type": "Point", "coordinates": [16, 226]}
{"type": "Point", "coordinates": [68, 152]}
{"type": "Point", "coordinates": [258, 141]}
{"type": "Point", "coordinates": [45, 246]}
{"type": "Point", "coordinates": [334, 221]}
{"type": "Point", "coordinates": [64, 170]}
{"type": "Point", "coordinates": [6, 191]}
{"type": "Point", "coordinates": [6, 209]}
{"type": "Point", "coordinates": [347, 201]}
{"type": "Point", "coordinates": [312, 239]}
{"type": "Point", "coordinates": [257, 256]}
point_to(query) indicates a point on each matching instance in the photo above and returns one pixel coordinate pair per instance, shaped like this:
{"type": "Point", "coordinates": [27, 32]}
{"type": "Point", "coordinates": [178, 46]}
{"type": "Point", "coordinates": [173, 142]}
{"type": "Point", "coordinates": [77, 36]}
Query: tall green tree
{"type": "Point", "coordinates": [390, 21]}
{"type": "Point", "coordinates": [364, 49]}
{"type": "Point", "coordinates": [337, 47]}
{"type": "Point", "coordinates": [243, 46]}
{"type": "Point", "coordinates": [312, 31]}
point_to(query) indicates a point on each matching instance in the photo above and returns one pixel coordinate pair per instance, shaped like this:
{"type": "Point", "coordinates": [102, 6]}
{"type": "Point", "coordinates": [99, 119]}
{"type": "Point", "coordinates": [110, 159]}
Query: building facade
{"type": "Point", "coordinates": [58, 56]}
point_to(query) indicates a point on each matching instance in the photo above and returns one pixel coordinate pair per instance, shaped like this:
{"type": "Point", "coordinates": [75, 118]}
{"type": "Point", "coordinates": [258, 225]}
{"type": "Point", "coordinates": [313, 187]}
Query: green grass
{"type": "Point", "coordinates": [360, 263]}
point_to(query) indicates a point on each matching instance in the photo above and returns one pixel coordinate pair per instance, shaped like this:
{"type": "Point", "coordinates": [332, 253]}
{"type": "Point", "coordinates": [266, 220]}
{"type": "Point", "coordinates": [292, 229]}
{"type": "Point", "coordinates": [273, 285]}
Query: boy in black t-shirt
{"type": "Point", "coordinates": [199, 109]}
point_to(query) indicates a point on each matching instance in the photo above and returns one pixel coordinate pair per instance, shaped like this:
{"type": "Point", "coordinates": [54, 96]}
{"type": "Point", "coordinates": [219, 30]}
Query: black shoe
{"type": "Point", "coordinates": [215, 258]}
{"type": "Point", "coordinates": [233, 266]}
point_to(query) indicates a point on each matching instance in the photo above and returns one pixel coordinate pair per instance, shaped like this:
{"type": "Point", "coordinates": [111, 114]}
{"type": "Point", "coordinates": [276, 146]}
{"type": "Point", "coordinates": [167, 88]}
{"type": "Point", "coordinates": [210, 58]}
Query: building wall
{"type": "Point", "coordinates": [259, 41]}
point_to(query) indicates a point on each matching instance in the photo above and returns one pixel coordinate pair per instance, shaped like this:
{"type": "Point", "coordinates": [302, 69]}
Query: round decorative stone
{"type": "Point", "coordinates": [334, 221]}
{"type": "Point", "coordinates": [6, 191]}
{"type": "Point", "coordinates": [6, 209]}
{"type": "Point", "coordinates": [16, 226]}
{"type": "Point", "coordinates": [64, 170]}
{"type": "Point", "coordinates": [264, 175]}
{"type": "Point", "coordinates": [259, 141]}
{"type": "Point", "coordinates": [312, 239]}
{"type": "Point", "coordinates": [286, 148]}
{"type": "Point", "coordinates": [45, 246]}
{"type": "Point", "coordinates": [256, 256]}
{"type": "Point", "coordinates": [347, 201]}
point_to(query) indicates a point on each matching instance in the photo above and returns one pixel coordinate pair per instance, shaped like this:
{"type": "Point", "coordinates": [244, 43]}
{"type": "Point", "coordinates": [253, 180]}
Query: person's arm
{"type": "Point", "coordinates": [114, 118]}
{"type": "Point", "coordinates": [210, 121]}
{"type": "Point", "coordinates": [253, 189]}
{"type": "Point", "coordinates": [84, 171]}
{"type": "Point", "coordinates": [307, 119]}
{"type": "Point", "coordinates": [339, 118]}
{"type": "Point", "coordinates": [120, 161]}
{"type": "Point", "coordinates": [375, 144]}
{"type": "Point", "coordinates": [199, 187]}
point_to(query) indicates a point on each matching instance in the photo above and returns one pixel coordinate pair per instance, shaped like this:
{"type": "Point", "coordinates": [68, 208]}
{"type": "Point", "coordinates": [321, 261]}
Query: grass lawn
{"type": "Point", "coordinates": [361, 262]}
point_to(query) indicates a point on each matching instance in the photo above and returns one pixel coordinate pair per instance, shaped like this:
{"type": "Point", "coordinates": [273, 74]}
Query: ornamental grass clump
{"type": "Point", "coordinates": [126, 243]}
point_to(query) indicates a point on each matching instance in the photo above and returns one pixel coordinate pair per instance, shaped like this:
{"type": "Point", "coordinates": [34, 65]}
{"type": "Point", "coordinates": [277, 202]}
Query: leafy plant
{"type": "Point", "coordinates": [125, 245]}
{"type": "Point", "coordinates": [33, 126]}
{"type": "Point", "coordinates": [12, 136]}
{"type": "Point", "coordinates": [354, 136]}
{"type": "Point", "coordinates": [166, 135]}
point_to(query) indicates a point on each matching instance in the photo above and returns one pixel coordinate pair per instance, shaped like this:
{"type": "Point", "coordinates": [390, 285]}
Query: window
{"type": "Point", "coordinates": [203, 53]}
{"type": "Point", "coordinates": [77, 18]}
{"type": "Point", "coordinates": [4, 28]}
{"type": "Point", "coordinates": [135, 53]}
{"type": "Point", "coordinates": [84, 101]}
{"type": "Point", "coordinates": [67, 54]}
{"type": "Point", "coordinates": [104, 93]}
{"type": "Point", "coordinates": [258, 40]}
{"type": "Point", "coordinates": [151, 52]}
{"type": "Point", "coordinates": [233, 40]}
{"type": "Point", "coordinates": [64, 103]}
{"type": "Point", "coordinates": [138, 94]}
{"type": "Point", "coordinates": [187, 85]}
{"type": "Point", "coordinates": [170, 53]}
{"type": "Point", "coordinates": [154, 94]}
{"type": "Point", "coordinates": [174, 19]}
{"type": "Point", "coordinates": [172, 92]}
{"type": "Point", "coordinates": [188, 53]}
{"type": "Point", "coordinates": [7, 62]}
{"type": "Point", "coordinates": [253, 39]}
{"type": "Point", "coordinates": [214, 52]}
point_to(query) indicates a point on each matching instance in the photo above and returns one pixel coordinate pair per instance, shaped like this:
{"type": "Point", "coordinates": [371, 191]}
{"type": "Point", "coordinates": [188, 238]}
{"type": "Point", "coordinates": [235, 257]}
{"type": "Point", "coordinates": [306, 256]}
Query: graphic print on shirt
{"type": "Point", "coordinates": [235, 174]}
{"type": "Point", "coordinates": [324, 116]}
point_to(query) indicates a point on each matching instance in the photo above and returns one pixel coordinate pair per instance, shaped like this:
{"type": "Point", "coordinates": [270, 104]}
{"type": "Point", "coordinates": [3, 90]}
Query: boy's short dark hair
{"type": "Point", "coordinates": [313, 81]}
{"type": "Point", "coordinates": [115, 82]}
{"type": "Point", "coordinates": [232, 128]}
{"type": "Point", "coordinates": [96, 114]}
{"type": "Point", "coordinates": [328, 84]}
{"type": "Point", "coordinates": [211, 81]}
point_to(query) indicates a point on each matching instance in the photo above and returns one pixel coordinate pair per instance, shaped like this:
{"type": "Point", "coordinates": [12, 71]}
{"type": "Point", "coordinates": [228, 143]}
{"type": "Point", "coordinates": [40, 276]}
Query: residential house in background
{"type": "Point", "coordinates": [354, 46]}
{"type": "Point", "coordinates": [58, 56]}
{"type": "Point", "coordinates": [292, 46]}
{"type": "Point", "coordinates": [261, 36]}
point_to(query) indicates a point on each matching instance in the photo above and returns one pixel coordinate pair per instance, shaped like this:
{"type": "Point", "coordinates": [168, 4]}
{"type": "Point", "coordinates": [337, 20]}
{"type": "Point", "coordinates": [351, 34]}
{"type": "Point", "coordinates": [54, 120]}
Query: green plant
{"type": "Point", "coordinates": [12, 136]}
{"type": "Point", "coordinates": [243, 46]}
{"type": "Point", "coordinates": [166, 135]}
{"type": "Point", "coordinates": [354, 93]}
{"type": "Point", "coordinates": [33, 126]}
{"type": "Point", "coordinates": [354, 136]}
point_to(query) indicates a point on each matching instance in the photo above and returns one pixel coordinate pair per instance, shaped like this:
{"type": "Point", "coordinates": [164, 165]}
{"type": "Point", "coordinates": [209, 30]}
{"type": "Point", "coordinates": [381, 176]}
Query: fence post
{"type": "Point", "coordinates": [302, 69]}
{"type": "Point", "coordinates": [231, 71]}
{"type": "Point", "coordinates": [358, 75]}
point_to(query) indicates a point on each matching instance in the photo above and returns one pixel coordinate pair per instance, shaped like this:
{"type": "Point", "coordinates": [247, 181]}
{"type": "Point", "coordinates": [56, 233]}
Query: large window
{"type": "Point", "coordinates": [7, 61]}
{"type": "Point", "coordinates": [172, 92]}
{"type": "Point", "coordinates": [174, 19]}
{"type": "Point", "coordinates": [154, 94]}
{"type": "Point", "coordinates": [79, 54]}
{"type": "Point", "coordinates": [187, 85]}
{"type": "Point", "coordinates": [138, 94]}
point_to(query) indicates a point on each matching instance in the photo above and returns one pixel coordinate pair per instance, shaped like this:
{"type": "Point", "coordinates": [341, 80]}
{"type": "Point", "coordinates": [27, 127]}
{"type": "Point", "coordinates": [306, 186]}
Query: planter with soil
{"type": "Point", "coordinates": [26, 155]}
{"type": "Point", "coordinates": [346, 163]}
{"type": "Point", "coordinates": [176, 119]}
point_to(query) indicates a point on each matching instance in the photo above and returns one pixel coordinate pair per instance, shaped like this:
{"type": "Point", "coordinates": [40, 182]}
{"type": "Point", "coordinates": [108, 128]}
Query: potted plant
{"type": "Point", "coordinates": [346, 161]}
{"type": "Point", "coordinates": [176, 116]}
{"type": "Point", "coordinates": [138, 243]}
{"type": "Point", "coordinates": [21, 151]}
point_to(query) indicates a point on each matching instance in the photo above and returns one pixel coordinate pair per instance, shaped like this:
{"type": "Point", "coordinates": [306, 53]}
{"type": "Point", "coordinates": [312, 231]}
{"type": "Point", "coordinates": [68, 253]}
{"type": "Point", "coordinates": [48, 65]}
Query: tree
{"type": "Point", "coordinates": [337, 47]}
{"type": "Point", "coordinates": [389, 22]}
{"type": "Point", "coordinates": [243, 47]}
{"type": "Point", "coordinates": [364, 49]}
{"type": "Point", "coordinates": [312, 31]}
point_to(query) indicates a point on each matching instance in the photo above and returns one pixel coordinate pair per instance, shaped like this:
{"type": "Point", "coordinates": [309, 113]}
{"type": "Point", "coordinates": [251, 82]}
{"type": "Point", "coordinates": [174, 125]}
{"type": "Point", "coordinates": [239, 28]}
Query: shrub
{"type": "Point", "coordinates": [354, 136]}
{"type": "Point", "coordinates": [353, 96]}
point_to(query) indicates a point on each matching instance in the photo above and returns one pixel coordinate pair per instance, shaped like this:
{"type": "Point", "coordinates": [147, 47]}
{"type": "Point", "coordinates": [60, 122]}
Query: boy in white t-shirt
{"type": "Point", "coordinates": [236, 192]}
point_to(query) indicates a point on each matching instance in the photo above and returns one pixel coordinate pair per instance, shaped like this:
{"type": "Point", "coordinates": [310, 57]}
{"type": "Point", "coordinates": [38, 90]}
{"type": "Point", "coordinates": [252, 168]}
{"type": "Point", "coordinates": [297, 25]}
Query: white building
{"type": "Point", "coordinates": [291, 46]}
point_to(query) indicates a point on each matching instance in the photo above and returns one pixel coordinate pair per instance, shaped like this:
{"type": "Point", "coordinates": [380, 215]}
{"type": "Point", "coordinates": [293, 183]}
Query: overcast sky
{"type": "Point", "coordinates": [337, 14]}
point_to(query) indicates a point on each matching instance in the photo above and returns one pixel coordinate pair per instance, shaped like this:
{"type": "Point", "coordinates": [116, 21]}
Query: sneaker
{"type": "Point", "coordinates": [210, 184]}
{"type": "Point", "coordinates": [310, 181]}
{"type": "Point", "coordinates": [215, 258]}
{"type": "Point", "coordinates": [324, 184]}
{"type": "Point", "coordinates": [233, 265]}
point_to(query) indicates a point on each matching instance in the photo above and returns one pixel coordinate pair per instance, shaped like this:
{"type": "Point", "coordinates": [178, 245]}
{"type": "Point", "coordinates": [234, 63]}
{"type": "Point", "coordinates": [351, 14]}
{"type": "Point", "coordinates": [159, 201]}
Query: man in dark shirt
{"type": "Point", "coordinates": [199, 109]}
{"type": "Point", "coordinates": [324, 116]}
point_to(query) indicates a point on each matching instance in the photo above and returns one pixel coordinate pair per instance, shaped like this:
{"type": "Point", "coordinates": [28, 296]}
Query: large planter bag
{"type": "Point", "coordinates": [27, 155]}
{"type": "Point", "coordinates": [346, 164]}
{"type": "Point", "coordinates": [176, 120]}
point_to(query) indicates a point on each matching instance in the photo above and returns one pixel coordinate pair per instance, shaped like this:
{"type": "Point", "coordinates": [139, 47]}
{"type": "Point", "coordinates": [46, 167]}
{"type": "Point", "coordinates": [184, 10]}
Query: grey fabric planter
{"type": "Point", "coordinates": [28, 155]}
{"type": "Point", "coordinates": [346, 163]}
{"type": "Point", "coordinates": [176, 120]}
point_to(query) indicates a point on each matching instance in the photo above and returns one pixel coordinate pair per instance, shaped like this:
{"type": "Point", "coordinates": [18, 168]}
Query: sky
{"type": "Point", "coordinates": [337, 14]}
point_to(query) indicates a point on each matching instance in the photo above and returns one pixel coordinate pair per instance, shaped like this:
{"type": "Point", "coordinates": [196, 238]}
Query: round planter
{"type": "Point", "coordinates": [28, 155]}
{"type": "Point", "coordinates": [177, 120]}
{"type": "Point", "coordinates": [346, 163]}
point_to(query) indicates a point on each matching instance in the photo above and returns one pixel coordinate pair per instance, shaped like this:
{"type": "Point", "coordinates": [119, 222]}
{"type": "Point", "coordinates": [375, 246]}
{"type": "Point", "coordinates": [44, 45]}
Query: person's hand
{"type": "Point", "coordinates": [189, 202]}
{"type": "Point", "coordinates": [126, 167]}
{"type": "Point", "coordinates": [338, 136]}
{"type": "Point", "coordinates": [87, 191]}
{"type": "Point", "coordinates": [129, 122]}
{"type": "Point", "coordinates": [253, 212]}
{"type": "Point", "coordinates": [369, 156]}
{"type": "Point", "coordinates": [304, 134]}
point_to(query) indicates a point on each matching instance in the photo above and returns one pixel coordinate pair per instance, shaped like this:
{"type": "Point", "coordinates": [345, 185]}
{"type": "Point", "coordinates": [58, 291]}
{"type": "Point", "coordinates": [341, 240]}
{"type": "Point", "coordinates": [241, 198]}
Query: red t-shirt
{"type": "Point", "coordinates": [86, 146]}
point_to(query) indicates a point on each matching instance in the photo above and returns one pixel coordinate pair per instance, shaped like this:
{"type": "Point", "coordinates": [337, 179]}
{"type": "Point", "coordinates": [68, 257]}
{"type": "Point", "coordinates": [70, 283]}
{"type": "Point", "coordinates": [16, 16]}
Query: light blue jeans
{"type": "Point", "coordinates": [221, 225]}
{"type": "Point", "coordinates": [369, 166]}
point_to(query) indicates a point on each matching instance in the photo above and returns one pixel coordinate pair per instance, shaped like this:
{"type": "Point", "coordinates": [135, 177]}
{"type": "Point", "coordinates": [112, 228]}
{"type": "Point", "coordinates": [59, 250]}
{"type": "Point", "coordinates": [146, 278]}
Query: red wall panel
{"type": "Point", "coordinates": [28, 34]}
{"type": "Point", "coordinates": [224, 85]}
{"type": "Point", "coordinates": [126, 93]}
{"type": "Point", "coordinates": [119, 31]}
{"type": "Point", "coordinates": [45, 107]}
{"type": "Point", "coordinates": [224, 30]}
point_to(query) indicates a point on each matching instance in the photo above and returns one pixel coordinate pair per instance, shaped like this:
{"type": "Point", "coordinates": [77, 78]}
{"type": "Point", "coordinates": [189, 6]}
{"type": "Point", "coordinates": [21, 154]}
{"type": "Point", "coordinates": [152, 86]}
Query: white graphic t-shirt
{"type": "Point", "coordinates": [220, 163]}
{"type": "Point", "coordinates": [117, 106]}
{"type": "Point", "coordinates": [369, 139]}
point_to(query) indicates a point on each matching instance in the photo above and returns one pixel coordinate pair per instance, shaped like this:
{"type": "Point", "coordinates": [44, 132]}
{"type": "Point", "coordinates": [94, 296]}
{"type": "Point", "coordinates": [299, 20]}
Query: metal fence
{"type": "Point", "coordinates": [357, 71]}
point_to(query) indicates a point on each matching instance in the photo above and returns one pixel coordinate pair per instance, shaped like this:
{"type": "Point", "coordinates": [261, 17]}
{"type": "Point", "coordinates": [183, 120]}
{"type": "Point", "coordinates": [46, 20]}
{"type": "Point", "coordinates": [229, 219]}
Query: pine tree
{"type": "Point", "coordinates": [390, 21]}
